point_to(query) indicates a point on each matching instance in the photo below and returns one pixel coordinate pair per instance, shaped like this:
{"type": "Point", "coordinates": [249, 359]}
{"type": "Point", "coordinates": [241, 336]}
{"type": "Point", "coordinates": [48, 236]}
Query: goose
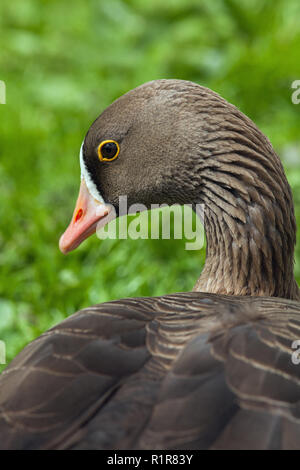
{"type": "Point", "coordinates": [214, 368]}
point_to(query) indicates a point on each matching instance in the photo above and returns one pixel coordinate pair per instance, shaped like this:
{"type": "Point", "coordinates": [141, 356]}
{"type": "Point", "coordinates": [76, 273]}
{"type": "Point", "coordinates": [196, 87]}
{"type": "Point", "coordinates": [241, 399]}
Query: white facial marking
{"type": "Point", "coordinates": [88, 180]}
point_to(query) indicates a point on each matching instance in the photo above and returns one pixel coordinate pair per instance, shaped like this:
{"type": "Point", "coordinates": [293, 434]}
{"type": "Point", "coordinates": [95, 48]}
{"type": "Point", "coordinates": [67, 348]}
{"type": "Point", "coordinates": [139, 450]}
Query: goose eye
{"type": "Point", "coordinates": [108, 150]}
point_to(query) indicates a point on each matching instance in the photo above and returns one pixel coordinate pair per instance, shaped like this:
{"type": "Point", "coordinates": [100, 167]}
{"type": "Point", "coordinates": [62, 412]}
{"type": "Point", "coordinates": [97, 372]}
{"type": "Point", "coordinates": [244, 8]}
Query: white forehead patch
{"type": "Point", "coordinates": [88, 180]}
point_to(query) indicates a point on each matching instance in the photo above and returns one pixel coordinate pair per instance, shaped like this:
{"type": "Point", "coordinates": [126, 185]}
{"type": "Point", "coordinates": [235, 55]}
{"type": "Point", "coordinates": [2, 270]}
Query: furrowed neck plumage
{"type": "Point", "coordinates": [249, 215]}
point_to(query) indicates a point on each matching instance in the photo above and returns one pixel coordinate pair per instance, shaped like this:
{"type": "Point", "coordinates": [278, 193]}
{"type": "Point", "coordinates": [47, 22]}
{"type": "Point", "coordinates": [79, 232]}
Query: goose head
{"type": "Point", "coordinates": [176, 142]}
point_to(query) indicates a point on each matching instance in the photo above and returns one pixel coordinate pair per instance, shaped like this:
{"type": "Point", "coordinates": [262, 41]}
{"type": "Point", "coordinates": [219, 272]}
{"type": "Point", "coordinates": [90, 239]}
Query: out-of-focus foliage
{"type": "Point", "coordinates": [63, 62]}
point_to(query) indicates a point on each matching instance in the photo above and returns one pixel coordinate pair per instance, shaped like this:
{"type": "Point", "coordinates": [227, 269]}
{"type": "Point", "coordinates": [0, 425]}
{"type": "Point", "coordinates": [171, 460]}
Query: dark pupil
{"type": "Point", "coordinates": [109, 150]}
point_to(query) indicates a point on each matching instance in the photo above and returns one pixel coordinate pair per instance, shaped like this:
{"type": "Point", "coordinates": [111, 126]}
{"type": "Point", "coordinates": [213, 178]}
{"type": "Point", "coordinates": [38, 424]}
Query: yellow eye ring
{"type": "Point", "coordinates": [108, 150]}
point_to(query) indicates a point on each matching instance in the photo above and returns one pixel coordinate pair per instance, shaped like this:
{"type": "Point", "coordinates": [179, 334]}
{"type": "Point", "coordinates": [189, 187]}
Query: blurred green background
{"type": "Point", "coordinates": [63, 62]}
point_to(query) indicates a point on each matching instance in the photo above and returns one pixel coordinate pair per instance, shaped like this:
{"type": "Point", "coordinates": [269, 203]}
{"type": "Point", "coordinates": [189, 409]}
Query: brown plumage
{"type": "Point", "coordinates": [210, 368]}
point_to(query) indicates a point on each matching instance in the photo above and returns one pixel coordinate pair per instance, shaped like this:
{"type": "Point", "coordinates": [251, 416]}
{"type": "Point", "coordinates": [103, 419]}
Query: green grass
{"type": "Point", "coordinates": [62, 65]}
